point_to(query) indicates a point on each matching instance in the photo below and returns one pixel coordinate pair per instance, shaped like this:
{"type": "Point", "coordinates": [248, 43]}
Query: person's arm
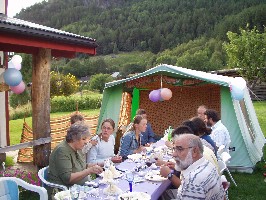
{"type": "Point", "coordinates": [77, 176]}
{"type": "Point", "coordinates": [92, 155]}
{"type": "Point", "coordinates": [166, 172]}
{"type": "Point", "coordinates": [151, 134]}
{"type": "Point", "coordinates": [125, 145]}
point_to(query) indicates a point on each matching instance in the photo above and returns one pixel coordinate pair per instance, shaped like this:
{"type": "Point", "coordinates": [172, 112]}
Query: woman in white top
{"type": "Point", "coordinates": [104, 149]}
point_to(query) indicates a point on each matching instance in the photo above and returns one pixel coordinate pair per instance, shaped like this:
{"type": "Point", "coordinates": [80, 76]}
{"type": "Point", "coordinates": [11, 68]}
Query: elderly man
{"type": "Point", "coordinates": [219, 134]}
{"type": "Point", "coordinates": [199, 177]}
{"type": "Point", "coordinates": [201, 110]}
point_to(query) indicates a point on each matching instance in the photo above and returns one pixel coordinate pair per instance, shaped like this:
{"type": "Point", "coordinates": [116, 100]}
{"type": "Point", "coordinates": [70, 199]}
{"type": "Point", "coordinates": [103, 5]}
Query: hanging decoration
{"type": "Point", "coordinates": [161, 94]}
{"type": "Point", "coordinates": [237, 87]}
{"type": "Point", "coordinates": [12, 76]}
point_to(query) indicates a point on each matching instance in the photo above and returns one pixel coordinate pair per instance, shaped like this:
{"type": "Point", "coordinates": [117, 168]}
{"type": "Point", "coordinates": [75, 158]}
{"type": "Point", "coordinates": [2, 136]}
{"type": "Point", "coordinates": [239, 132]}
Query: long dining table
{"type": "Point", "coordinates": [154, 188]}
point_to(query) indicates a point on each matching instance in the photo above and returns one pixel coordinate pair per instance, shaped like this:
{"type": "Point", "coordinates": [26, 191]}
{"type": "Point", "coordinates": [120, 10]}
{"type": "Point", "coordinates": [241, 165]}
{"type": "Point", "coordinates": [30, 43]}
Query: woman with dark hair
{"type": "Point", "coordinates": [66, 164]}
{"type": "Point", "coordinates": [202, 131]}
{"type": "Point", "coordinates": [130, 142]}
{"type": "Point", "coordinates": [104, 148]}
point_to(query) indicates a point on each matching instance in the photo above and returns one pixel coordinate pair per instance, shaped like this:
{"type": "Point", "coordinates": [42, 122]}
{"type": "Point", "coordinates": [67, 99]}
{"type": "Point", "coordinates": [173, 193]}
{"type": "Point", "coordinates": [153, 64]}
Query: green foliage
{"type": "Point", "coordinates": [97, 82]}
{"type": "Point", "coordinates": [201, 54]}
{"type": "Point", "coordinates": [66, 104]}
{"type": "Point", "coordinates": [26, 68]}
{"type": "Point", "coordinates": [9, 161]}
{"type": "Point", "coordinates": [63, 84]}
{"type": "Point", "coordinates": [19, 99]}
{"type": "Point", "coordinates": [146, 25]}
{"type": "Point", "coordinates": [247, 51]}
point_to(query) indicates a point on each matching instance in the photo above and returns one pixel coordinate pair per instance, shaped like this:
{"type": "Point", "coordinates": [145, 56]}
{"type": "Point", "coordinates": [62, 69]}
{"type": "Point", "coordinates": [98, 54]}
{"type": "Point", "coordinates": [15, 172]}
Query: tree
{"type": "Point", "coordinates": [247, 51]}
{"type": "Point", "coordinates": [97, 82]}
{"type": "Point", "coordinates": [63, 85]}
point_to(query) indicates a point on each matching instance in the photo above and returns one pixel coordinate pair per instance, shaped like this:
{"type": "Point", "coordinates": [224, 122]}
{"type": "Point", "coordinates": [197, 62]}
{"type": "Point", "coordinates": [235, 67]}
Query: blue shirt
{"type": "Point", "coordinates": [148, 135]}
{"type": "Point", "coordinates": [128, 144]}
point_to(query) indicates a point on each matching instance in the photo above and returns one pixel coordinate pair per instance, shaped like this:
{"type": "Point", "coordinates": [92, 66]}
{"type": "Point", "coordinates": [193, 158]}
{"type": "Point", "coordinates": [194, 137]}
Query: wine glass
{"type": "Point", "coordinates": [130, 179]}
{"type": "Point", "coordinates": [74, 191]}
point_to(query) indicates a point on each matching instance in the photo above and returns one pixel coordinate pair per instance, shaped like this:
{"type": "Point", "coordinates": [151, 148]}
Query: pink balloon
{"type": "Point", "coordinates": [19, 88]}
{"type": "Point", "coordinates": [166, 94]}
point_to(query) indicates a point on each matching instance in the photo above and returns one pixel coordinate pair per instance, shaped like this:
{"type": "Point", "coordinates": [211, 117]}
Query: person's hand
{"type": "Point", "coordinates": [93, 142]}
{"type": "Point", "coordinates": [148, 144]}
{"type": "Point", "coordinates": [170, 164]}
{"type": "Point", "coordinates": [164, 171]}
{"type": "Point", "coordinates": [96, 169]}
{"type": "Point", "coordinates": [160, 162]}
{"type": "Point", "coordinates": [169, 144]}
{"type": "Point", "coordinates": [116, 159]}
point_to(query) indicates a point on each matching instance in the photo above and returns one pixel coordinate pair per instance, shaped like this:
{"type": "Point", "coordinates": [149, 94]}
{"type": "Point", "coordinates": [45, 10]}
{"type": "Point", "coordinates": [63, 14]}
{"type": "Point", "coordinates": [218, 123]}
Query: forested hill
{"type": "Point", "coordinates": [147, 25]}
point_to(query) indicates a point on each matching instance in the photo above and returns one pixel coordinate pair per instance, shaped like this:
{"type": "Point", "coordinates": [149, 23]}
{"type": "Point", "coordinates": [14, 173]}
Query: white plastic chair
{"type": "Point", "coordinates": [9, 188]}
{"type": "Point", "coordinates": [222, 163]}
{"type": "Point", "coordinates": [42, 173]}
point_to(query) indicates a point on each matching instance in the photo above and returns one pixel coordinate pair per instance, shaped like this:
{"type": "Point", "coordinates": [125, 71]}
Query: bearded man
{"type": "Point", "coordinates": [199, 177]}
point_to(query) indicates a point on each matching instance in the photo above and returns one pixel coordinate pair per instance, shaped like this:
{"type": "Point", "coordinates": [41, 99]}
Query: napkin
{"type": "Point", "coordinates": [112, 189]}
{"type": "Point", "coordinates": [107, 174]}
{"type": "Point", "coordinates": [63, 195]}
{"type": "Point", "coordinates": [115, 172]}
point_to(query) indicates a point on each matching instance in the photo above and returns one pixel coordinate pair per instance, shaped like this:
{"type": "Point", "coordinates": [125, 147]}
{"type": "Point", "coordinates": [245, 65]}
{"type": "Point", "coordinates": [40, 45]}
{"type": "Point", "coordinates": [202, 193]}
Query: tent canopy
{"type": "Point", "coordinates": [190, 89]}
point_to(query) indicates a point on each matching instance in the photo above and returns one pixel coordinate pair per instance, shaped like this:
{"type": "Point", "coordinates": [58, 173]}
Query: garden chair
{"type": "Point", "coordinates": [10, 190]}
{"type": "Point", "coordinates": [222, 163]}
{"type": "Point", "coordinates": [42, 173]}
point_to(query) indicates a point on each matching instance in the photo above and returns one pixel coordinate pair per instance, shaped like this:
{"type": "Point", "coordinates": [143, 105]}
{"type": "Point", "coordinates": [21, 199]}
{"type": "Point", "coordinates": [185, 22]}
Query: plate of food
{"type": "Point", "coordinates": [154, 176]}
{"type": "Point", "coordinates": [135, 196]}
{"type": "Point", "coordinates": [62, 195]}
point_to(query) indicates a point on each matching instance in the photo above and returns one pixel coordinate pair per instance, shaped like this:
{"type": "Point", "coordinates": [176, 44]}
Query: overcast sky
{"type": "Point", "coordinates": [14, 6]}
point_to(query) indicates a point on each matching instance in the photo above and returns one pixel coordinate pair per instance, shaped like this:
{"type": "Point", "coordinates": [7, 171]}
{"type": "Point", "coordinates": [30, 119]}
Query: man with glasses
{"type": "Point", "coordinates": [199, 177]}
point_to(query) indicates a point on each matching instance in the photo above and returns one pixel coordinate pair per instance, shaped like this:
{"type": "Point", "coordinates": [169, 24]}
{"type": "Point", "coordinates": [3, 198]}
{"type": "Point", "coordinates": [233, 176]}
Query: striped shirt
{"type": "Point", "coordinates": [200, 181]}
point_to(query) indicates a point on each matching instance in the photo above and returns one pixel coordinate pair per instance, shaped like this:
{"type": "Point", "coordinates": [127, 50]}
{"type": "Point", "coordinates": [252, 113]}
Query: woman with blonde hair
{"type": "Point", "coordinates": [131, 141]}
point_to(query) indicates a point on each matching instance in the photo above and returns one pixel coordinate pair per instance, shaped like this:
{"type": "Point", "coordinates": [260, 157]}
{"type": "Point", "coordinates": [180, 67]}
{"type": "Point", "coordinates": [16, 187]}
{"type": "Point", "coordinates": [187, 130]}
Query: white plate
{"type": "Point", "coordinates": [135, 196]}
{"type": "Point", "coordinates": [154, 176]}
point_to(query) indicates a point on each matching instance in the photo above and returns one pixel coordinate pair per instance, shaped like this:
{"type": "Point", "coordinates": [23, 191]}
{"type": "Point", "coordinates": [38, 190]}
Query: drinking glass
{"type": "Point", "coordinates": [130, 179]}
{"type": "Point", "coordinates": [74, 192]}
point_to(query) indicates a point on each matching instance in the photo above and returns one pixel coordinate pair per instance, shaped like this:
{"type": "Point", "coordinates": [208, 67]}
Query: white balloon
{"type": "Point", "coordinates": [237, 86]}
{"type": "Point", "coordinates": [16, 59]}
{"type": "Point", "coordinates": [11, 64]}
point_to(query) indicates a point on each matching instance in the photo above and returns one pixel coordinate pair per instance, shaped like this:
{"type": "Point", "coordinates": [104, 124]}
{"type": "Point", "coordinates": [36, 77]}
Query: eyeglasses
{"type": "Point", "coordinates": [107, 128]}
{"type": "Point", "coordinates": [180, 149]}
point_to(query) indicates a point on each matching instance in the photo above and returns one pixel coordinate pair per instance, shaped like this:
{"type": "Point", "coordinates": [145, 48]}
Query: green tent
{"type": "Point", "coordinates": [204, 88]}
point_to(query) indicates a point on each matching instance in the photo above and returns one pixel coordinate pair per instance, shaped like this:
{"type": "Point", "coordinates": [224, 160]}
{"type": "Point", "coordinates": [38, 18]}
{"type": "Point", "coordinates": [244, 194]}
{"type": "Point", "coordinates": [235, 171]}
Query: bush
{"type": "Point", "coordinates": [20, 112]}
{"type": "Point", "coordinates": [98, 81]}
{"type": "Point", "coordinates": [66, 104]}
{"type": "Point", "coordinates": [16, 100]}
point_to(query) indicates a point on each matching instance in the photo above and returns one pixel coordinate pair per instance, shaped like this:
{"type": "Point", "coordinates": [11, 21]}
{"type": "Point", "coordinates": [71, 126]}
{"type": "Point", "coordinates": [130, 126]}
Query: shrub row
{"type": "Point", "coordinates": [66, 104]}
{"type": "Point", "coordinates": [61, 104]}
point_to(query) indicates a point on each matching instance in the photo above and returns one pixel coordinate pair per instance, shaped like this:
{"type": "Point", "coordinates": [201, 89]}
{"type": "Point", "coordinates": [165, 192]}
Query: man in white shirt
{"type": "Point", "coordinates": [199, 177]}
{"type": "Point", "coordinates": [219, 134]}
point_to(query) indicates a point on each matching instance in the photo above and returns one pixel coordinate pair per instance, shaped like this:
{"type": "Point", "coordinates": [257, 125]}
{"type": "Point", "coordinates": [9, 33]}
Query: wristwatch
{"type": "Point", "coordinates": [169, 176]}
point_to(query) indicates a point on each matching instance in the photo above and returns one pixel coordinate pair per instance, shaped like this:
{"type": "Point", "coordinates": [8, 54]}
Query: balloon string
{"type": "Point", "coordinates": [161, 81]}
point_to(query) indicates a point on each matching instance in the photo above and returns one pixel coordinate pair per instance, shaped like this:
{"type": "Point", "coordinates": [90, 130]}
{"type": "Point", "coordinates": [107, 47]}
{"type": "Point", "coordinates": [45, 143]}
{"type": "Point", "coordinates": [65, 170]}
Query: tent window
{"type": "Point", "coordinates": [247, 120]}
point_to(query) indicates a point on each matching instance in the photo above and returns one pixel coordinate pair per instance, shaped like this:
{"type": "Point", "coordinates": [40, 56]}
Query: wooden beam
{"type": "Point", "coordinates": [31, 43]}
{"type": "Point", "coordinates": [41, 105]}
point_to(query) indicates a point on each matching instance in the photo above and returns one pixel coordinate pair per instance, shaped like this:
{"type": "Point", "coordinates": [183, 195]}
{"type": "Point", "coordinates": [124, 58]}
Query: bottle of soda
{"type": "Point", "coordinates": [169, 133]}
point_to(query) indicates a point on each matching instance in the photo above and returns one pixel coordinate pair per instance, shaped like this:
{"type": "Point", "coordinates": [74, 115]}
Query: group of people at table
{"type": "Point", "coordinates": [193, 171]}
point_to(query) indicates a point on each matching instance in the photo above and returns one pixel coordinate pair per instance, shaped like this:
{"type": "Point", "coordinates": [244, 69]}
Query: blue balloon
{"type": "Point", "coordinates": [12, 77]}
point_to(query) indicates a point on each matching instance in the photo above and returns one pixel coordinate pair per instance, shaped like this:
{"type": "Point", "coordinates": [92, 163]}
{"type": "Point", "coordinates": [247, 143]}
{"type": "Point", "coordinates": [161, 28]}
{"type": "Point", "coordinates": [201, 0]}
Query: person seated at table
{"type": "Point", "coordinates": [169, 166]}
{"type": "Point", "coordinates": [66, 165]}
{"type": "Point", "coordinates": [194, 129]}
{"type": "Point", "coordinates": [104, 148]}
{"type": "Point", "coordinates": [201, 131]}
{"type": "Point", "coordinates": [130, 142]}
{"type": "Point", "coordinates": [79, 118]}
{"type": "Point", "coordinates": [200, 179]}
{"type": "Point", "coordinates": [147, 137]}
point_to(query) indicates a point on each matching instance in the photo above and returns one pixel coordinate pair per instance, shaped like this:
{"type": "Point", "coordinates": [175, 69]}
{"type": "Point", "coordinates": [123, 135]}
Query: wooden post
{"type": "Point", "coordinates": [41, 105]}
